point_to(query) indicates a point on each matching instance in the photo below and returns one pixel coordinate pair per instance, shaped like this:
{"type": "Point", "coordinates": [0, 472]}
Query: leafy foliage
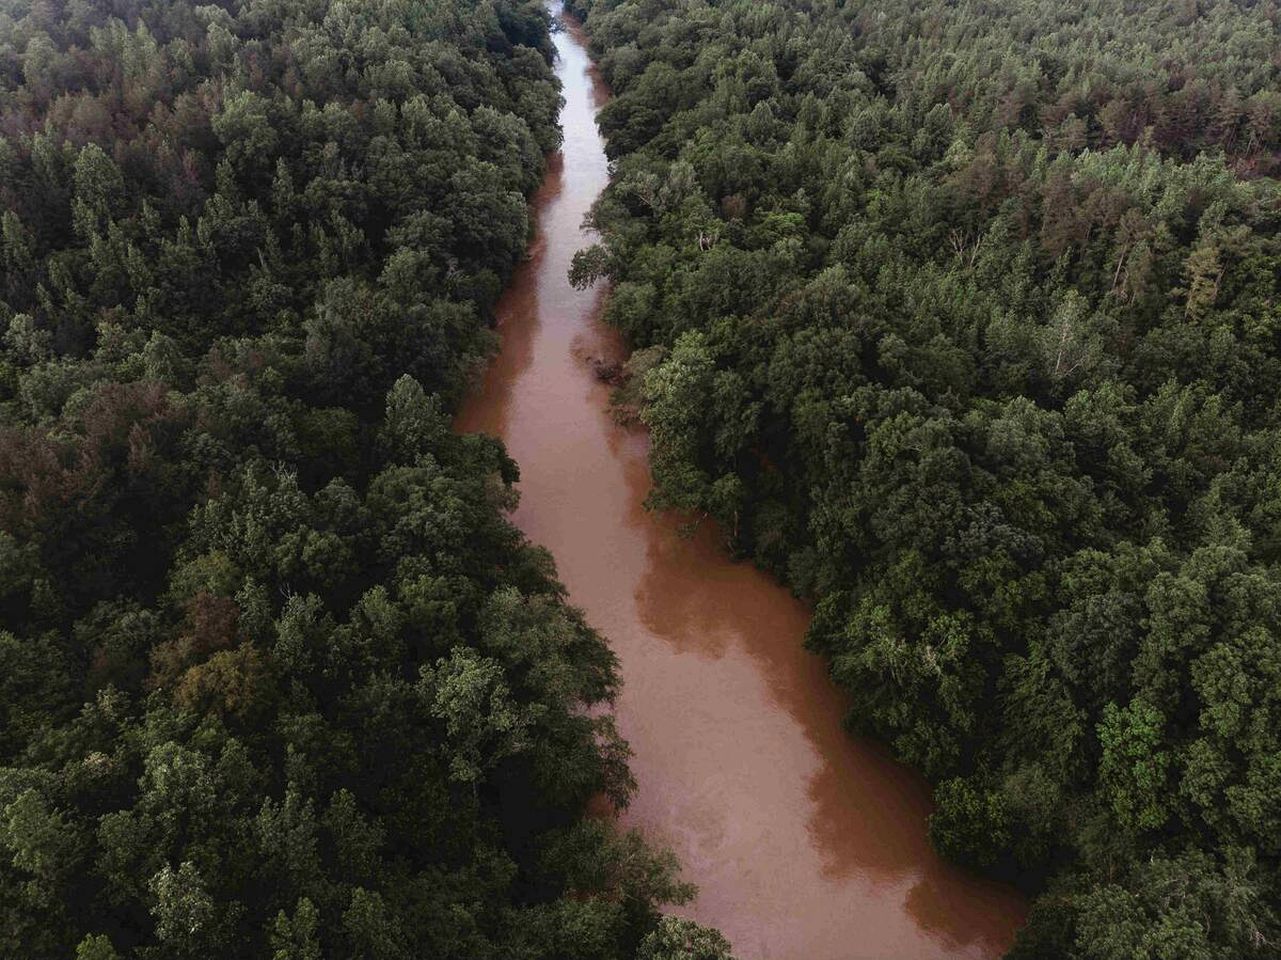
{"type": "Point", "coordinates": [969, 323]}
{"type": "Point", "coordinates": [277, 676]}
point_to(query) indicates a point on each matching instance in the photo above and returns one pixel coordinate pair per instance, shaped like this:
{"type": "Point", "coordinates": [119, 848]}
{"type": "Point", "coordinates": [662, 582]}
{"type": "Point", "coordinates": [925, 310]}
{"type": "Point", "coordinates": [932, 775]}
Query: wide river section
{"type": "Point", "coordinates": [805, 843]}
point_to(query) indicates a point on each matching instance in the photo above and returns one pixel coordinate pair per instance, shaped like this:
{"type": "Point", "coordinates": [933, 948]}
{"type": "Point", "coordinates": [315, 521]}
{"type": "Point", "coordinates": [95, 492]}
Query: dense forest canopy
{"type": "Point", "coordinates": [964, 319]}
{"type": "Point", "coordinates": [277, 676]}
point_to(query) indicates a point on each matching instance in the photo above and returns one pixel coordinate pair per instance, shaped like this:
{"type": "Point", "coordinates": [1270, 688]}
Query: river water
{"type": "Point", "coordinates": [805, 843]}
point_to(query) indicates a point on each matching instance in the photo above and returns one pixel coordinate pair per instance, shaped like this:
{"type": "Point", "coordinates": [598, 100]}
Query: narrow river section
{"type": "Point", "coordinates": [805, 843]}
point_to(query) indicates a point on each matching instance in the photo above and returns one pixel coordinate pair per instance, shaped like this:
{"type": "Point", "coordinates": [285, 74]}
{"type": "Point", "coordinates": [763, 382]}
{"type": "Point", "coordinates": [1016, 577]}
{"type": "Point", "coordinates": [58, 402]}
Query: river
{"type": "Point", "coordinates": [805, 843]}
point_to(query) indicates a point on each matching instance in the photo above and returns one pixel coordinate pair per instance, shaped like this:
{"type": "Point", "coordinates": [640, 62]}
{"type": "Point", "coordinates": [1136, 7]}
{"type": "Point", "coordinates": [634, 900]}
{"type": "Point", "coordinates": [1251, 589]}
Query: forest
{"type": "Point", "coordinates": [278, 677]}
{"type": "Point", "coordinates": [961, 319]}
{"type": "Point", "coordinates": [964, 320]}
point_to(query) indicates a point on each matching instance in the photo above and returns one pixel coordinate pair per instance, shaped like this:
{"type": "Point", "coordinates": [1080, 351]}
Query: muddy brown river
{"type": "Point", "coordinates": [805, 843]}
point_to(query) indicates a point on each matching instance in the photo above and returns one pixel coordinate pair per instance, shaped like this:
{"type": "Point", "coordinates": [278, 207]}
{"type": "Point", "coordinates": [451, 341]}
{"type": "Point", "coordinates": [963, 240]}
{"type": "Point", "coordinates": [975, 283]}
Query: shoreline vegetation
{"type": "Point", "coordinates": [962, 320]}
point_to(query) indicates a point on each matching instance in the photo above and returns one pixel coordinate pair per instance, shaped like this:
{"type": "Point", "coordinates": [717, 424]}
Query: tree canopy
{"type": "Point", "coordinates": [968, 325]}
{"type": "Point", "coordinates": [277, 676]}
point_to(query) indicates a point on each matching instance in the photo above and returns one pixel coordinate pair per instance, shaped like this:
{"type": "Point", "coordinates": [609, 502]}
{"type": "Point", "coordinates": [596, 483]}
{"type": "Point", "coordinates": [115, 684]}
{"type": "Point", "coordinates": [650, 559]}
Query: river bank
{"type": "Point", "coordinates": [804, 842]}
